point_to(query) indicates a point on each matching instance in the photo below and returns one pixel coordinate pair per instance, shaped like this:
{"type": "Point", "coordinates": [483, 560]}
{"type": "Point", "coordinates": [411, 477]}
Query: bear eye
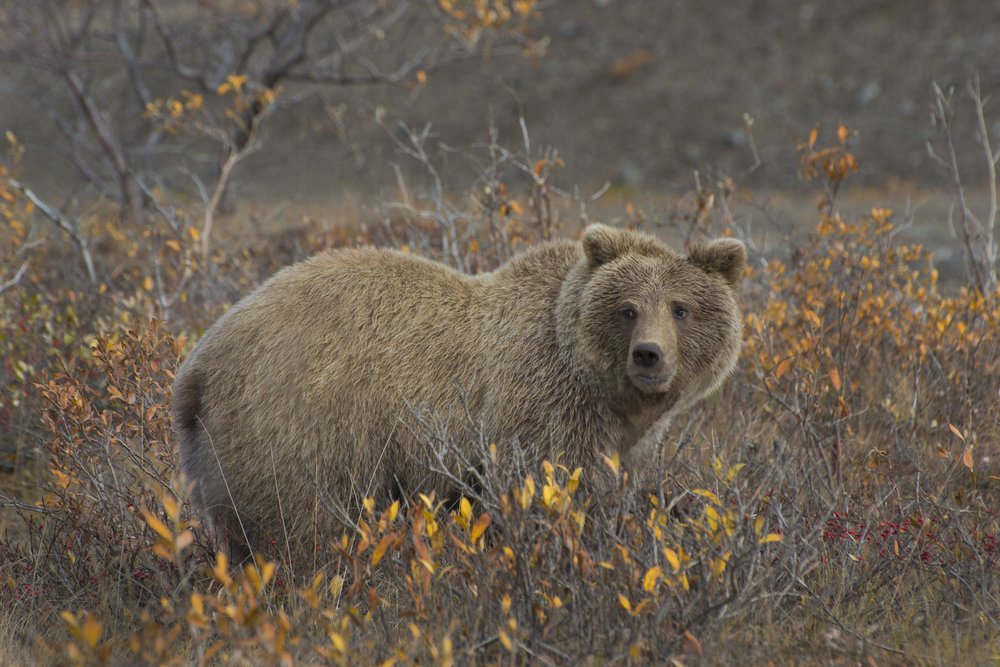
{"type": "Point", "coordinates": [680, 312]}
{"type": "Point", "coordinates": [629, 313]}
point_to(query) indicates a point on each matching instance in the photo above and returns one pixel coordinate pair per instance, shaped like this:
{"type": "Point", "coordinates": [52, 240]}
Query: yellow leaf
{"type": "Point", "coordinates": [147, 284]}
{"type": "Point", "coordinates": [267, 569]}
{"type": "Point", "coordinates": [672, 558]}
{"type": "Point", "coordinates": [623, 601]}
{"type": "Point", "coordinates": [338, 642]}
{"type": "Point", "coordinates": [221, 569]}
{"type": "Point", "coordinates": [713, 518]}
{"type": "Point", "coordinates": [771, 537]}
{"type": "Point", "coordinates": [614, 462]}
{"type": "Point", "coordinates": [194, 233]}
{"type": "Point", "coordinates": [705, 493]}
{"type": "Point", "coordinates": [465, 510]}
{"type": "Point", "coordinates": [505, 640]}
{"type": "Point", "coordinates": [653, 575]}
{"type": "Point", "coordinates": [735, 470]}
{"type": "Point", "coordinates": [574, 480]}
{"type": "Point", "coordinates": [758, 525]}
{"type": "Point", "coordinates": [173, 245]}
{"type": "Point", "coordinates": [369, 504]}
{"type": "Point", "coordinates": [253, 576]}
{"type": "Point", "coordinates": [336, 586]}
{"type": "Point", "coordinates": [184, 540]}
{"type": "Point", "coordinates": [158, 526]}
{"type": "Point", "coordinates": [171, 508]}
{"type": "Point", "coordinates": [718, 565]}
{"type": "Point", "coordinates": [236, 81]}
{"type": "Point", "coordinates": [421, 76]}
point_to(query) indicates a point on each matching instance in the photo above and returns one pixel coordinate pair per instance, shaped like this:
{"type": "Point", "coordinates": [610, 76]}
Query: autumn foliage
{"type": "Point", "coordinates": [838, 497]}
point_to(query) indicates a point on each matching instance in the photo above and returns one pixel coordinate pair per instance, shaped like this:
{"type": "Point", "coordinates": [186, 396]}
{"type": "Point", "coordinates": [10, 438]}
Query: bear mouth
{"type": "Point", "coordinates": [649, 382]}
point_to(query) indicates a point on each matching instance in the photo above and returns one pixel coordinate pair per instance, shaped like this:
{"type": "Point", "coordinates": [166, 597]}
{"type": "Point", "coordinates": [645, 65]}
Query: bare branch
{"type": "Point", "coordinates": [987, 230]}
{"type": "Point", "coordinates": [71, 227]}
{"type": "Point", "coordinates": [942, 117]}
{"type": "Point", "coordinates": [16, 279]}
{"type": "Point", "coordinates": [6, 501]}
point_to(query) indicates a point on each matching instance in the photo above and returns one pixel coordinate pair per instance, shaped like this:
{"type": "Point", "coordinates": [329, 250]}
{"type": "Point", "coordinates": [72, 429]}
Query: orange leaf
{"type": "Point", "coordinates": [813, 135]}
{"type": "Point", "coordinates": [967, 457]}
{"type": "Point", "coordinates": [91, 631]}
{"type": "Point", "coordinates": [842, 134]}
{"type": "Point", "coordinates": [693, 641]}
{"type": "Point", "coordinates": [835, 379]}
{"type": "Point", "coordinates": [480, 527]}
{"type": "Point", "coordinates": [956, 432]}
{"type": "Point", "coordinates": [383, 545]}
{"type": "Point", "coordinates": [782, 368]}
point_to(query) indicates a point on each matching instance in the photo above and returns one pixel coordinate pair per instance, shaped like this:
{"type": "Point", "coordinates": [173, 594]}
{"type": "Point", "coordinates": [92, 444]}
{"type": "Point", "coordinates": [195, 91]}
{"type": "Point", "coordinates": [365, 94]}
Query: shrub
{"type": "Point", "coordinates": [836, 498]}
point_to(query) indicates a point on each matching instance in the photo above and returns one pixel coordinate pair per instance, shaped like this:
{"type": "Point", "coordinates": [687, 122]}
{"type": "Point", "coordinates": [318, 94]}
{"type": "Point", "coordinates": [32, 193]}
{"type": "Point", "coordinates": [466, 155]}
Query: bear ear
{"type": "Point", "coordinates": [602, 244]}
{"type": "Point", "coordinates": [725, 257]}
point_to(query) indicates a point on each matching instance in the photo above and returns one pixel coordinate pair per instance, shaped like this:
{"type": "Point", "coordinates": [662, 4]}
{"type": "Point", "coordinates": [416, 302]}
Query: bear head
{"type": "Point", "coordinates": [651, 324]}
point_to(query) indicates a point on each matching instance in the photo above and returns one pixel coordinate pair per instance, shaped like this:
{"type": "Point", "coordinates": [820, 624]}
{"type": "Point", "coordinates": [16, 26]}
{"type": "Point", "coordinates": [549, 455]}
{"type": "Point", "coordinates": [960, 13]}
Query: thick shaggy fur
{"type": "Point", "coordinates": [303, 395]}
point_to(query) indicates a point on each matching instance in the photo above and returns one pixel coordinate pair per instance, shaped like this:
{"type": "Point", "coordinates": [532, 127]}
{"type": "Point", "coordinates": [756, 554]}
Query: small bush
{"type": "Point", "coordinates": [837, 498]}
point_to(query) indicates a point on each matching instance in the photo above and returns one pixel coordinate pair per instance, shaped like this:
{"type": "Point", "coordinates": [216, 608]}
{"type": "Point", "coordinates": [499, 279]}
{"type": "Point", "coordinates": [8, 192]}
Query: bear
{"type": "Point", "coordinates": [299, 402]}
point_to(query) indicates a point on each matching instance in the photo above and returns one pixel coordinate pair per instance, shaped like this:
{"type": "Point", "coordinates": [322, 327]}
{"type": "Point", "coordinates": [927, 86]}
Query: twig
{"type": "Point", "coordinates": [6, 501]}
{"type": "Point", "coordinates": [16, 279]}
{"type": "Point", "coordinates": [71, 227]}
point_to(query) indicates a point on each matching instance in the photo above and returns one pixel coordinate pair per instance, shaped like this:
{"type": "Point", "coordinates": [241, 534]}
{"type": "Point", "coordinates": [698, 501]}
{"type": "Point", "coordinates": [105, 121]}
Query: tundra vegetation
{"type": "Point", "coordinates": [836, 500]}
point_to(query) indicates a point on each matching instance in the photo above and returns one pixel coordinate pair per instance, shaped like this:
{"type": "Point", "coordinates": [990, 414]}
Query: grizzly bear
{"type": "Point", "coordinates": [302, 397]}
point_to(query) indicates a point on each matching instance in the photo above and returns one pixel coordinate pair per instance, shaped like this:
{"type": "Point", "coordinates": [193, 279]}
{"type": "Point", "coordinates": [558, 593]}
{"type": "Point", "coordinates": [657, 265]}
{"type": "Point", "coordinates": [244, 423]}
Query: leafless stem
{"type": "Point", "coordinates": [16, 279]}
{"type": "Point", "coordinates": [975, 234]}
{"type": "Point", "coordinates": [71, 227]}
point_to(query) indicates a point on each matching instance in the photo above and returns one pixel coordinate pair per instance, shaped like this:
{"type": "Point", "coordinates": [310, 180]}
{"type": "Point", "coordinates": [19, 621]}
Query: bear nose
{"type": "Point", "coordinates": [646, 355]}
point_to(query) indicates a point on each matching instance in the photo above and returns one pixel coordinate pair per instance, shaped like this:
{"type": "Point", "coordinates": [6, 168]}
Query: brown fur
{"type": "Point", "coordinates": [303, 394]}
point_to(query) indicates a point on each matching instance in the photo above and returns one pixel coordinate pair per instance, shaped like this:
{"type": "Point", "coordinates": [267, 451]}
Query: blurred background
{"type": "Point", "coordinates": [640, 100]}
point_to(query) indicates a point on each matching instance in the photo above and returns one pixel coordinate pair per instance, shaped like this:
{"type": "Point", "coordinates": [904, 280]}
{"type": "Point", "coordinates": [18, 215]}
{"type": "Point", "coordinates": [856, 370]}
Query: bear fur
{"type": "Point", "coordinates": [302, 396]}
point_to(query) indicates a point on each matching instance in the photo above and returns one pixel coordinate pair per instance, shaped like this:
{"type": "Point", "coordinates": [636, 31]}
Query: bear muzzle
{"type": "Point", "coordinates": [648, 368]}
